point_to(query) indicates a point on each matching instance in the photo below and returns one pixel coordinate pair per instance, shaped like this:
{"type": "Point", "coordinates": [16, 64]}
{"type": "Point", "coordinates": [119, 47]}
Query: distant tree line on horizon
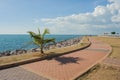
{"type": "Point", "coordinates": [113, 33]}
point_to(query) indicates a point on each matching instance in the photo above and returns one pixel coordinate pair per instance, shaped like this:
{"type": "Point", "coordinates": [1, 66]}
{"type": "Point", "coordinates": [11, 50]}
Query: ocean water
{"type": "Point", "coordinates": [13, 42]}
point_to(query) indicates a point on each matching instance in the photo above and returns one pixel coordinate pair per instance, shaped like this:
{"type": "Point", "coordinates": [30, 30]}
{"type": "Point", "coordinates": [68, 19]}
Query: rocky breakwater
{"type": "Point", "coordinates": [64, 43]}
{"type": "Point", "coordinates": [14, 52]}
{"type": "Point", "coordinates": [60, 44]}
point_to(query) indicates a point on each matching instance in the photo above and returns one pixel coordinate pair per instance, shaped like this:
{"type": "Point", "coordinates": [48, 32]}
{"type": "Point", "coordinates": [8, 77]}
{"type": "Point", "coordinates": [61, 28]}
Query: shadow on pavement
{"type": "Point", "coordinates": [66, 60]}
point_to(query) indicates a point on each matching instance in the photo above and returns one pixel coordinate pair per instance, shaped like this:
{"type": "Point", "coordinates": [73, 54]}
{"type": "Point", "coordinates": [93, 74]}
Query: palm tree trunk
{"type": "Point", "coordinates": [41, 49]}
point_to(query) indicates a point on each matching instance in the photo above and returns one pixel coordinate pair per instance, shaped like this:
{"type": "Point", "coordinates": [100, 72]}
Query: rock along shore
{"type": "Point", "coordinates": [60, 44]}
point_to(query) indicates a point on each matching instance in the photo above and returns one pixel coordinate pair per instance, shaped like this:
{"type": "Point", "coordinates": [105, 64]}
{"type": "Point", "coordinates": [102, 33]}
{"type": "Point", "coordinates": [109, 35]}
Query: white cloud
{"type": "Point", "coordinates": [101, 11]}
{"type": "Point", "coordinates": [115, 1]}
{"type": "Point", "coordinates": [103, 18]}
{"type": "Point", "coordinates": [116, 18]}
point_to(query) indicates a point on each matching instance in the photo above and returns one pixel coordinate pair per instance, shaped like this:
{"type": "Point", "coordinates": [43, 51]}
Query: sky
{"type": "Point", "coordinates": [60, 16]}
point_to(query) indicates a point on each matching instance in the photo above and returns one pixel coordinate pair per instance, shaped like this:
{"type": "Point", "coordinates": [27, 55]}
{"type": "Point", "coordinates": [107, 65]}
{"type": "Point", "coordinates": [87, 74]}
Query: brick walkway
{"type": "Point", "coordinates": [70, 66]}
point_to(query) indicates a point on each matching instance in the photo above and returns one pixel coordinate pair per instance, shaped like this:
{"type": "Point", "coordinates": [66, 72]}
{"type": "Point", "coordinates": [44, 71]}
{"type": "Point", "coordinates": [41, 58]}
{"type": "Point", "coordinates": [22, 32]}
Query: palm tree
{"type": "Point", "coordinates": [40, 40]}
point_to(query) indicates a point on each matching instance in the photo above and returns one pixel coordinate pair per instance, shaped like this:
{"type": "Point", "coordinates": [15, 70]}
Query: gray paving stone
{"type": "Point", "coordinates": [18, 73]}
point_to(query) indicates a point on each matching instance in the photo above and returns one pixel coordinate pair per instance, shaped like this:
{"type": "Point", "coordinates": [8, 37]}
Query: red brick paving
{"type": "Point", "coordinates": [70, 66]}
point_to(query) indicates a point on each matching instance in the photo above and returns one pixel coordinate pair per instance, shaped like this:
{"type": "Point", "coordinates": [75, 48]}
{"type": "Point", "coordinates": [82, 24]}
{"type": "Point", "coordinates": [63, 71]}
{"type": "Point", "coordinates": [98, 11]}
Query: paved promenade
{"type": "Point", "coordinates": [66, 67]}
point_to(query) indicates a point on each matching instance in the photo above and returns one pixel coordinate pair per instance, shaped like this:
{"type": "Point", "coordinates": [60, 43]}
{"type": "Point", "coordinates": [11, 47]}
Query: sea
{"type": "Point", "coordinates": [14, 42]}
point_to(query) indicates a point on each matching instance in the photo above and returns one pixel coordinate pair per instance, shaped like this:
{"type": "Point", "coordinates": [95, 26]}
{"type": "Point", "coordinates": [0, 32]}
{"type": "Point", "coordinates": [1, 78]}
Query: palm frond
{"type": "Point", "coordinates": [38, 39]}
{"type": "Point", "coordinates": [34, 35]}
{"type": "Point", "coordinates": [49, 40]}
{"type": "Point", "coordinates": [46, 31]}
{"type": "Point", "coordinates": [31, 33]}
{"type": "Point", "coordinates": [39, 32]}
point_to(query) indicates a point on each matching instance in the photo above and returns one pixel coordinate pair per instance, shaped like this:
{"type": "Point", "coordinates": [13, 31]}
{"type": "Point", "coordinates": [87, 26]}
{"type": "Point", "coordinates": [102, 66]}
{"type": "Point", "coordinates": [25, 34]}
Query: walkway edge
{"type": "Point", "coordinates": [85, 71]}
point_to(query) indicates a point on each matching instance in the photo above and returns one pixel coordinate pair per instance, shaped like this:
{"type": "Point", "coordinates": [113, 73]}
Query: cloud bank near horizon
{"type": "Point", "coordinates": [102, 19]}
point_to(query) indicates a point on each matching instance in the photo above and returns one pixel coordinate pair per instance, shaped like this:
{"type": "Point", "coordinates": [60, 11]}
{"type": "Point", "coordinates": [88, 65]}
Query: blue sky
{"type": "Point", "coordinates": [60, 16]}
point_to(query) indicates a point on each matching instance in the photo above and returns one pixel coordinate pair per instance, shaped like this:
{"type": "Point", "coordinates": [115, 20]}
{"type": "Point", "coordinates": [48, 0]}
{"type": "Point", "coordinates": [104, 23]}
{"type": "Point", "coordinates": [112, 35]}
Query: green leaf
{"type": "Point", "coordinates": [31, 33]}
{"type": "Point", "coordinates": [46, 31]}
{"type": "Point", "coordinates": [39, 40]}
{"type": "Point", "coordinates": [49, 40]}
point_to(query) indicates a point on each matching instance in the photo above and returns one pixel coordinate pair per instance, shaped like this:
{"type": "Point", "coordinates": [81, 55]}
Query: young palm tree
{"type": "Point", "coordinates": [38, 39]}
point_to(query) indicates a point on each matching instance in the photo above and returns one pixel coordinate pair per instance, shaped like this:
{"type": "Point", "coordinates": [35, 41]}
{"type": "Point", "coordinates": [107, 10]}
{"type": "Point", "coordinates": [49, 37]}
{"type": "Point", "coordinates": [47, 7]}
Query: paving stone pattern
{"type": "Point", "coordinates": [70, 66]}
{"type": "Point", "coordinates": [18, 73]}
